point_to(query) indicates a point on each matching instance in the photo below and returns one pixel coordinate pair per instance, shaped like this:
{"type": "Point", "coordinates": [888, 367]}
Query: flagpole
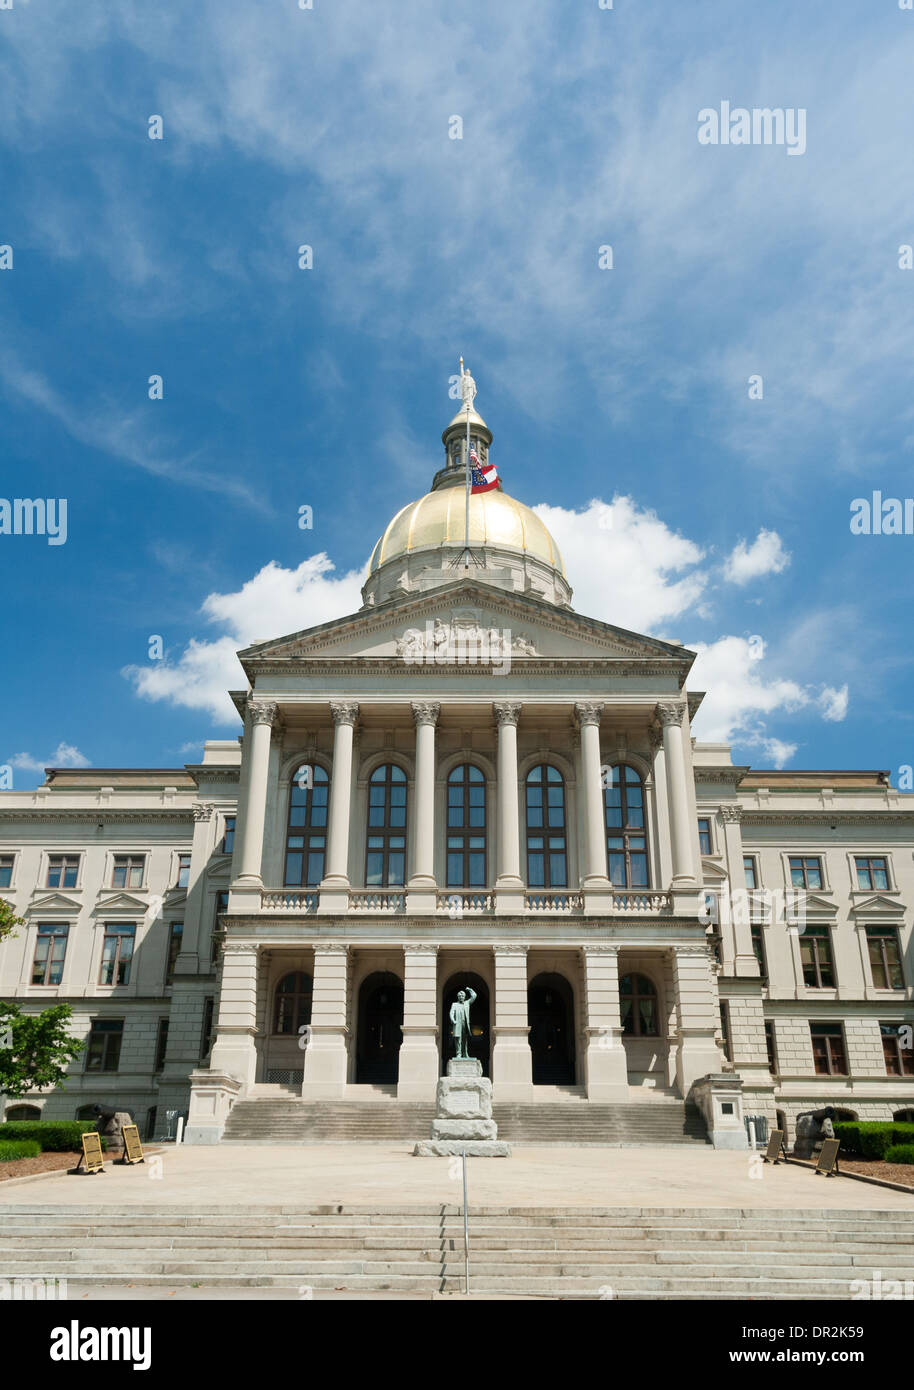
{"type": "Point", "coordinates": [466, 530]}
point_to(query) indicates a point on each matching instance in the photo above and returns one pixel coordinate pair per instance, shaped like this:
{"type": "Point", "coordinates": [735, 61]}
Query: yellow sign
{"type": "Point", "coordinates": [133, 1149]}
{"type": "Point", "coordinates": [828, 1158]}
{"type": "Point", "coordinates": [92, 1152]}
{"type": "Point", "coordinates": [775, 1143]}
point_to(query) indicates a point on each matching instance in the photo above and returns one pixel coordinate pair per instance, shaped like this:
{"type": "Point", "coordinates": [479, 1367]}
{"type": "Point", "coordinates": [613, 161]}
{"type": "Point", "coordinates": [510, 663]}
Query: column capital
{"type": "Point", "coordinates": [731, 815]}
{"type": "Point", "coordinates": [333, 948]}
{"type": "Point", "coordinates": [600, 948]}
{"type": "Point", "coordinates": [203, 810]}
{"type": "Point", "coordinates": [425, 712]}
{"type": "Point", "coordinates": [510, 948]}
{"type": "Point", "coordinates": [506, 712]}
{"type": "Point", "coordinates": [417, 948]}
{"type": "Point", "coordinates": [588, 712]}
{"type": "Point", "coordinates": [670, 713]}
{"type": "Point", "coordinates": [262, 711]}
{"type": "Point", "coordinates": [693, 948]}
{"type": "Point", "coordinates": [655, 737]}
{"type": "Point", "coordinates": [344, 712]}
{"type": "Point", "coordinates": [238, 948]}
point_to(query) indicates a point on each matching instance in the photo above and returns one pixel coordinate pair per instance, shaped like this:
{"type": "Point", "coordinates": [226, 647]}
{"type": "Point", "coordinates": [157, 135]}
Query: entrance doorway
{"type": "Point", "coordinates": [550, 1013]}
{"type": "Point", "coordinates": [478, 1045]}
{"type": "Point", "coordinates": [380, 1029]}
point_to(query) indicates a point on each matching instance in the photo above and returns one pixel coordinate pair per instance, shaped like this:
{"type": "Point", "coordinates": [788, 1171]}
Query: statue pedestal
{"type": "Point", "coordinates": [463, 1120]}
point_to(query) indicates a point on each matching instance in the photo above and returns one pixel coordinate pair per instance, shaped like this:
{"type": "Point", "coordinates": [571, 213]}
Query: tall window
{"type": "Point", "coordinates": [161, 1044]}
{"type": "Point", "coordinates": [6, 870]}
{"type": "Point", "coordinates": [206, 1030]}
{"type": "Point", "coordinates": [750, 872]}
{"type": "Point", "coordinates": [306, 834]}
{"type": "Point", "coordinates": [704, 834]}
{"type": "Point", "coordinates": [872, 871]}
{"type": "Point", "coordinates": [385, 858]}
{"type": "Point", "coordinates": [466, 827]}
{"type": "Point", "coordinates": [626, 842]}
{"type": "Point", "coordinates": [805, 871]}
{"type": "Point", "coordinates": [50, 950]}
{"type": "Point", "coordinates": [293, 1003]}
{"type": "Point", "coordinates": [771, 1046]}
{"type": "Point", "coordinates": [218, 933]}
{"type": "Point", "coordinates": [885, 957]}
{"type": "Point", "coordinates": [725, 1029]}
{"type": "Point", "coordinates": [828, 1049]}
{"type": "Point", "coordinates": [546, 858]}
{"type": "Point", "coordinates": [104, 1047]}
{"type": "Point", "coordinates": [175, 934]}
{"type": "Point", "coordinates": [816, 955]}
{"type": "Point", "coordinates": [117, 953]}
{"type": "Point", "coordinates": [228, 837]}
{"type": "Point", "coordinates": [183, 870]}
{"type": "Point", "coordinates": [128, 871]}
{"type": "Point", "coordinates": [638, 1003]}
{"type": "Point", "coordinates": [758, 946]}
{"type": "Point", "coordinates": [899, 1060]}
{"type": "Point", "coordinates": [63, 870]}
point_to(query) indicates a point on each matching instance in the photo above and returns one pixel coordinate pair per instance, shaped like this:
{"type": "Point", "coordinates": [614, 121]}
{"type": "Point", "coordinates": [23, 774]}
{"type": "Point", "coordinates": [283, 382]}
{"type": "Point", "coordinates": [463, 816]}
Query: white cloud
{"type": "Point", "coordinates": [273, 603]}
{"type": "Point", "coordinates": [833, 703]}
{"type": "Point", "coordinates": [64, 755]}
{"type": "Point", "coordinates": [766, 555]}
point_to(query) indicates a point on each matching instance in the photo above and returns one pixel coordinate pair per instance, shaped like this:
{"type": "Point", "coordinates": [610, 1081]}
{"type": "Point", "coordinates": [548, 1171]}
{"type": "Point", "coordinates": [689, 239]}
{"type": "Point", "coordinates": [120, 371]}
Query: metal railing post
{"type": "Point", "coordinates": [466, 1229]}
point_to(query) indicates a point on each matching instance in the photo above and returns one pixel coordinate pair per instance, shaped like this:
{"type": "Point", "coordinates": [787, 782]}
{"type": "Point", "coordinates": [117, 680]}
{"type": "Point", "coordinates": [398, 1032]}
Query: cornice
{"type": "Point", "coordinates": [100, 817]}
{"type": "Point", "coordinates": [756, 817]}
{"type": "Point", "coordinates": [381, 666]}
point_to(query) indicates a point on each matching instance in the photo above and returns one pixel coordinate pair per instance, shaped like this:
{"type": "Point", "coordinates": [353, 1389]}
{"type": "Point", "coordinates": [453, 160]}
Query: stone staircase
{"type": "Point", "coordinates": [572, 1253]}
{"type": "Point", "coordinates": [293, 1121]}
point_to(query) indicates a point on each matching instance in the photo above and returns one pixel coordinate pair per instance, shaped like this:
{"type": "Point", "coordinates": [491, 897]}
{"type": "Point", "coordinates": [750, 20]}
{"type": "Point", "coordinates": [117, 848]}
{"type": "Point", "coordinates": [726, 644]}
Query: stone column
{"type": "Point", "coordinates": [234, 1050]}
{"type": "Point", "coordinates": [605, 1063]}
{"type": "Point", "coordinates": [334, 888]}
{"type": "Point", "coordinates": [594, 879]}
{"type": "Point", "coordinates": [512, 1060]}
{"type": "Point", "coordinates": [509, 886]}
{"type": "Point", "coordinates": [735, 903]}
{"type": "Point", "coordinates": [327, 1054]}
{"type": "Point", "coordinates": [419, 1058]}
{"type": "Point", "coordinates": [697, 1013]}
{"type": "Point", "coordinates": [421, 886]}
{"type": "Point", "coordinates": [261, 714]}
{"type": "Point", "coordinates": [670, 716]}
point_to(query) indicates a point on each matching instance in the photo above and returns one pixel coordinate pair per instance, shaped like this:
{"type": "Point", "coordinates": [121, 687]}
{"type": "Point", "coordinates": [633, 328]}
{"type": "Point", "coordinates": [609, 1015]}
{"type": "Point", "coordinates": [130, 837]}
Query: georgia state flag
{"type": "Point", "coordinates": [482, 479]}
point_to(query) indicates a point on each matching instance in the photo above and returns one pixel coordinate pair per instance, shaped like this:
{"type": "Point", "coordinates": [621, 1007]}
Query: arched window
{"type": "Point", "coordinates": [385, 858]}
{"type": "Point", "coordinates": [638, 1000]}
{"type": "Point", "coordinates": [466, 827]}
{"type": "Point", "coordinates": [293, 1003]}
{"type": "Point", "coordinates": [547, 865]}
{"type": "Point", "coordinates": [306, 834]}
{"type": "Point", "coordinates": [626, 839]}
{"type": "Point", "coordinates": [23, 1112]}
{"type": "Point", "coordinates": [904, 1117]}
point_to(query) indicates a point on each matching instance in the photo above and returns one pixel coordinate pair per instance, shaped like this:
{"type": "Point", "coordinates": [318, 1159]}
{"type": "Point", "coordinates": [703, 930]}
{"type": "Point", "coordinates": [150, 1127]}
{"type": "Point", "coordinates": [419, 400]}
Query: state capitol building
{"type": "Point", "coordinates": [465, 784]}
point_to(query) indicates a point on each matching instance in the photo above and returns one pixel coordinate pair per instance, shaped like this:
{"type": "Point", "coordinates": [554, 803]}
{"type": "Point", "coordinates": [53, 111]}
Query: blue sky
{"type": "Point", "coordinates": [619, 398]}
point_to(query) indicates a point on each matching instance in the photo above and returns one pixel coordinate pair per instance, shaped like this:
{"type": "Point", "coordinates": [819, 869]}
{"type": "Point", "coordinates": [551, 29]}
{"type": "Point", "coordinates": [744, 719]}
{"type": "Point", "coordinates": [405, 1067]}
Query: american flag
{"type": "Point", "coordinates": [482, 477]}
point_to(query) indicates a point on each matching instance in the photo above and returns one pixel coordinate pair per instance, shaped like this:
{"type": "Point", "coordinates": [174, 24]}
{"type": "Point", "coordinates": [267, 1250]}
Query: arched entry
{"type": "Point", "coordinates": [550, 1012]}
{"type": "Point", "coordinates": [479, 1019]}
{"type": "Point", "coordinates": [380, 1029]}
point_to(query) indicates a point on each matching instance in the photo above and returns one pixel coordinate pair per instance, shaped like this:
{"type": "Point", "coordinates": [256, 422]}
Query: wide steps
{"type": "Point", "coordinates": [298, 1121]}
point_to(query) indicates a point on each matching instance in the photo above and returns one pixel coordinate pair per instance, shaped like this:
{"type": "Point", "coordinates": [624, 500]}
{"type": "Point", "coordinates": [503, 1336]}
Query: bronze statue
{"type": "Point", "coordinates": [460, 1021]}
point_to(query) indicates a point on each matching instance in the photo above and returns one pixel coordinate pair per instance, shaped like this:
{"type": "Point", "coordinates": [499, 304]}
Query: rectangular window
{"type": "Point", "coordinates": [183, 871]}
{"type": "Point", "coordinates": [228, 838]}
{"type": "Point", "coordinates": [751, 872]}
{"type": "Point", "coordinates": [218, 933]}
{"type": "Point", "coordinates": [161, 1043]}
{"type": "Point", "coordinates": [885, 957]}
{"type": "Point", "coordinates": [758, 946]}
{"type": "Point", "coordinates": [725, 1029]}
{"type": "Point", "coordinates": [816, 956]}
{"type": "Point", "coordinates": [770, 1045]}
{"type": "Point", "coordinates": [899, 1060]}
{"type": "Point", "coordinates": [174, 946]}
{"type": "Point", "coordinates": [63, 870]}
{"type": "Point", "coordinates": [104, 1047]}
{"type": "Point", "coordinates": [50, 950]}
{"type": "Point", "coordinates": [117, 953]}
{"type": "Point", "coordinates": [704, 834]}
{"type": "Point", "coordinates": [6, 870]}
{"type": "Point", "coordinates": [828, 1049]}
{"type": "Point", "coordinates": [872, 871]}
{"type": "Point", "coordinates": [206, 1035]}
{"type": "Point", "coordinates": [805, 871]}
{"type": "Point", "coordinates": [128, 871]}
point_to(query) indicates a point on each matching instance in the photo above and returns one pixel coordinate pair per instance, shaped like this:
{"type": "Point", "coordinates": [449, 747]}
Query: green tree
{"type": "Point", "coordinates": [8, 920]}
{"type": "Point", "coordinates": [35, 1049]}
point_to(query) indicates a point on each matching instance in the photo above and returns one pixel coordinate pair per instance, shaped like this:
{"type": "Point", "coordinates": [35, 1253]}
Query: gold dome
{"type": "Point", "coordinates": [438, 519]}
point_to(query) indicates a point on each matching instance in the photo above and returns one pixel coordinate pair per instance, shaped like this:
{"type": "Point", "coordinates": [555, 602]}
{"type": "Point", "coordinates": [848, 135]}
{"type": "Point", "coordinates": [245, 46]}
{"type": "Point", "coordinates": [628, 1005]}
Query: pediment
{"type": "Point", "coordinates": [53, 902]}
{"type": "Point", "coordinates": [814, 904]}
{"type": "Point", "coordinates": [121, 902]}
{"type": "Point", "coordinates": [712, 872]}
{"type": "Point", "coordinates": [435, 627]}
{"type": "Point", "coordinates": [877, 906]}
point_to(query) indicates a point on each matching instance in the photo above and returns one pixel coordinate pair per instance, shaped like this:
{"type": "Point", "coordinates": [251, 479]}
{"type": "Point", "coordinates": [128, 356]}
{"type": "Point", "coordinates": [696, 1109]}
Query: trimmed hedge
{"type": "Point", "coordinates": [900, 1153]}
{"type": "Point", "coordinates": [61, 1136]}
{"type": "Point", "coordinates": [18, 1148]}
{"type": "Point", "coordinates": [872, 1138]}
